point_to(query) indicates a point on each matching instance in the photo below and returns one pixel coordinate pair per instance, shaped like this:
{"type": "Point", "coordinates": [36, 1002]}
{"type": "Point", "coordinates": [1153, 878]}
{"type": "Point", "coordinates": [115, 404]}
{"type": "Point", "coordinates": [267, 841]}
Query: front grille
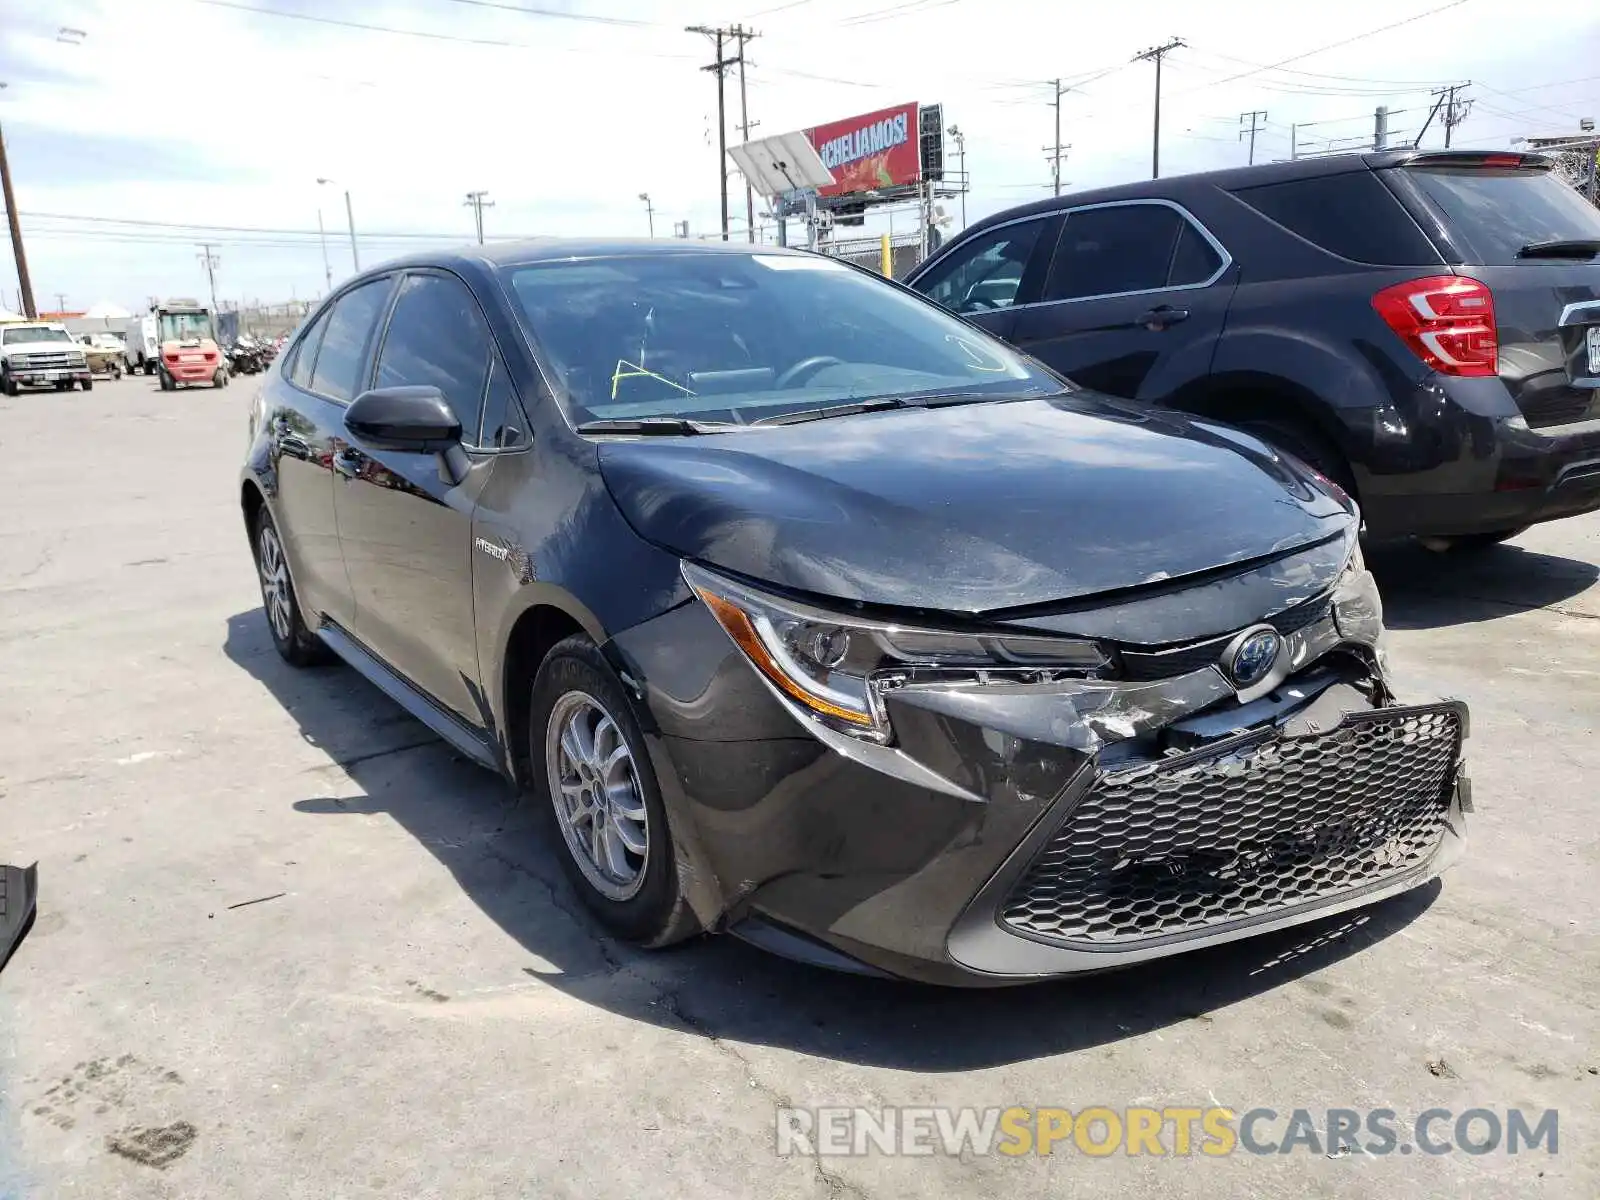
{"type": "Point", "coordinates": [48, 361]}
{"type": "Point", "coordinates": [1180, 660]}
{"type": "Point", "coordinates": [1244, 828]}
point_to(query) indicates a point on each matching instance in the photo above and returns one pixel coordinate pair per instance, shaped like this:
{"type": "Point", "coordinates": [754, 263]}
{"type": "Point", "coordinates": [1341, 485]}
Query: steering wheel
{"type": "Point", "coordinates": [979, 304]}
{"type": "Point", "coordinates": [805, 369]}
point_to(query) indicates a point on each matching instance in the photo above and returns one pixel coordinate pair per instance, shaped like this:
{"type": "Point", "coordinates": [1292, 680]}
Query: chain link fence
{"type": "Point", "coordinates": [905, 252]}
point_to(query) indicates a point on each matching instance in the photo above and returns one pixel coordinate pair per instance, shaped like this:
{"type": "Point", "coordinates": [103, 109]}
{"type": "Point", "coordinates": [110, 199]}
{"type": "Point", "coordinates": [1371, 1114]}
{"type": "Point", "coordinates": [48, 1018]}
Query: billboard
{"type": "Point", "coordinates": [875, 150]}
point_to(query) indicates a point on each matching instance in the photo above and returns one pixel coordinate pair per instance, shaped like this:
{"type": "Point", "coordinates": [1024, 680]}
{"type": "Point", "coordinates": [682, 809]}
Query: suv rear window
{"type": "Point", "coordinates": [1489, 215]}
{"type": "Point", "coordinates": [1352, 215]}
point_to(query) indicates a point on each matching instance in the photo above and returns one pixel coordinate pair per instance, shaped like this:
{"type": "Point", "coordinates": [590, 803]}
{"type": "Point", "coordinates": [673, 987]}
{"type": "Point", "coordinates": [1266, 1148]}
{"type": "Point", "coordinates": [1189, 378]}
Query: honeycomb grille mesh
{"type": "Point", "coordinates": [1242, 832]}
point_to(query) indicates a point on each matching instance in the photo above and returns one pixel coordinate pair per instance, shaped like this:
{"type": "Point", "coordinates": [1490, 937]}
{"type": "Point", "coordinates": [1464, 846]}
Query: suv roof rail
{"type": "Point", "coordinates": [1475, 158]}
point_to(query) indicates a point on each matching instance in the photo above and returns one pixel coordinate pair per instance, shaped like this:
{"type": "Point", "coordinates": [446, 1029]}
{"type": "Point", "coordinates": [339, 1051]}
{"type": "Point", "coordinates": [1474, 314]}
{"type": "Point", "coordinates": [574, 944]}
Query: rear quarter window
{"type": "Point", "coordinates": [1489, 215]}
{"type": "Point", "coordinates": [1352, 215]}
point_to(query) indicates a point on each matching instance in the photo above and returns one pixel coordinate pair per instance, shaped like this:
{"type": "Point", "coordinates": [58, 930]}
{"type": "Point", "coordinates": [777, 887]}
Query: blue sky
{"type": "Point", "coordinates": [201, 113]}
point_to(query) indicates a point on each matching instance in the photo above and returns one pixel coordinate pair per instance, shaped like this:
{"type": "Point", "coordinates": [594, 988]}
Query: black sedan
{"type": "Point", "coordinates": [812, 613]}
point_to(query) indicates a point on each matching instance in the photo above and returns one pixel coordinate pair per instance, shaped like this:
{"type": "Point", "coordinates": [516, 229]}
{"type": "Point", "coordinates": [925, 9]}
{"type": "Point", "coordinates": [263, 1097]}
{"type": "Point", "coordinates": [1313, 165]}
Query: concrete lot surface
{"type": "Point", "coordinates": [417, 1007]}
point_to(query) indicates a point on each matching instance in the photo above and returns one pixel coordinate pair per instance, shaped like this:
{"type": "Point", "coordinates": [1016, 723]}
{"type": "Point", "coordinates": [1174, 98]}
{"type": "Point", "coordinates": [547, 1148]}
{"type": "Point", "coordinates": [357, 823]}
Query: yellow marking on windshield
{"type": "Point", "coordinates": [635, 371]}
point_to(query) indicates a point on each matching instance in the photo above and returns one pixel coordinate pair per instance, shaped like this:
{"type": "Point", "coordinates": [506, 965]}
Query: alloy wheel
{"type": "Point", "coordinates": [275, 582]}
{"type": "Point", "coordinates": [594, 786]}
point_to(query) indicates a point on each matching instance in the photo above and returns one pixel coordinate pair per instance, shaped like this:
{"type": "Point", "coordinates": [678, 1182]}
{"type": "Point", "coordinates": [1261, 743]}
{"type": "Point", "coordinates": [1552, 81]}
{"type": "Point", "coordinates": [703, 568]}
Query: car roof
{"type": "Point", "coordinates": [1176, 187]}
{"type": "Point", "coordinates": [554, 249]}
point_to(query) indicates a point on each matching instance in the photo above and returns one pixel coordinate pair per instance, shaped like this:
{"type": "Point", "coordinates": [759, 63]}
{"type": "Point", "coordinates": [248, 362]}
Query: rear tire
{"type": "Point", "coordinates": [1308, 445]}
{"type": "Point", "coordinates": [168, 384]}
{"type": "Point", "coordinates": [592, 775]}
{"type": "Point", "coordinates": [88, 385]}
{"type": "Point", "coordinates": [295, 643]}
{"type": "Point", "coordinates": [1466, 543]}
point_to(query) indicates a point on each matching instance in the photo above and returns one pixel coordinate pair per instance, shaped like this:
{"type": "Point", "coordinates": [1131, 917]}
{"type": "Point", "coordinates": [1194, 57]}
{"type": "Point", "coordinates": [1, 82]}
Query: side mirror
{"type": "Point", "coordinates": [412, 418]}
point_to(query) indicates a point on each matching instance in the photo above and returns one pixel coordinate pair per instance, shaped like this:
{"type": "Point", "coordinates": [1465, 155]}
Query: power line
{"type": "Point", "coordinates": [1282, 62]}
{"type": "Point", "coordinates": [592, 18]}
{"type": "Point", "coordinates": [1313, 74]}
{"type": "Point", "coordinates": [368, 27]}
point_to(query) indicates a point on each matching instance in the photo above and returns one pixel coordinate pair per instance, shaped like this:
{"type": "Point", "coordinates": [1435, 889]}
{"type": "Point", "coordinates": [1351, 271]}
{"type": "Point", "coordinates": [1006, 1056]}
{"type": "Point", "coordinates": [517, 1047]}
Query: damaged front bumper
{"type": "Point", "coordinates": [1016, 829]}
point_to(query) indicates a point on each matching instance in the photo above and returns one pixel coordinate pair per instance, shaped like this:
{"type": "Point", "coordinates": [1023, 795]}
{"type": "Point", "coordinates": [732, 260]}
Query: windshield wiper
{"type": "Point", "coordinates": [670, 426]}
{"type": "Point", "coordinates": [1561, 248]}
{"type": "Point", "coordinates": [870, 404]}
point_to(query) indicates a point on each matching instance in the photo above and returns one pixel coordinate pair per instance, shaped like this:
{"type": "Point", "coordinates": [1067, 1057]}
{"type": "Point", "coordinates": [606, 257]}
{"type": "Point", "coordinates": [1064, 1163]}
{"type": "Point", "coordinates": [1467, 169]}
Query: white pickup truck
{"type": "Point", "coordinates": [41, 354]}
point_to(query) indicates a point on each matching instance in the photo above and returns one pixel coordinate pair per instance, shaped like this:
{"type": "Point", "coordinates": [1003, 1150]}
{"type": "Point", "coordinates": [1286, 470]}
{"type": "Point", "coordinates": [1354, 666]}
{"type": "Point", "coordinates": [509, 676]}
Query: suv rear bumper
{"type": "Point", "coordinates": [1487, 473]}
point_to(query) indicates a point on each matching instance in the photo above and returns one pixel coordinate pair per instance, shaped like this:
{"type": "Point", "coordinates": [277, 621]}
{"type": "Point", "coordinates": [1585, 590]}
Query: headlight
{"type": "Point", "coordinates": [1357, 606]}
{"type": "Point", "coordinates": [833, 665]}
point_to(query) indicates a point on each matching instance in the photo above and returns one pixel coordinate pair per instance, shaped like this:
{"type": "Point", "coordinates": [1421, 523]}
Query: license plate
{"type": "Point", "coordinates": [191, 358]}
{"type": "Point", "coordinates": [1593, 334]}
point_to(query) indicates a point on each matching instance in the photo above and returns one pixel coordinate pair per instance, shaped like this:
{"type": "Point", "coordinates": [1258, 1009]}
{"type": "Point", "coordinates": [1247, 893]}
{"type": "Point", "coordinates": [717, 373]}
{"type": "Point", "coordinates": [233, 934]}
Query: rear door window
{"type": "Point", "coordinates": [305, 353]}
{"type": "Point", "coordinates": [1107, 251]}
{"type": "Point", "coordinates": [985, 273]}
{"type": "Point", "coordinates": [1194, 260]}
{"type": "Point", "coordinates": [337, 373]}
{"type": "Point", "coordinates": [1489, 215]}
{"type": "Point", "coordinates": [1352, 215]}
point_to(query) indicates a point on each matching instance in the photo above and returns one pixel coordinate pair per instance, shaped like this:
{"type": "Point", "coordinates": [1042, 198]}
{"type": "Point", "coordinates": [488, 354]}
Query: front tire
{"type": "Point", "coordinates": [88, 385]}
{"type": "Point", "coordinates": [592, 775]}
{"type": "Point", "coordinates": [168, 383]}
{"type": "Point", "coordinates": [297, 645]}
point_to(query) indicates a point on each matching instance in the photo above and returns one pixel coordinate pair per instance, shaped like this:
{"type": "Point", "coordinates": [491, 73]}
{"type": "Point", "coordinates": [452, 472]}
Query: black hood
{"type": "Point", "coordinates": [973, 508]}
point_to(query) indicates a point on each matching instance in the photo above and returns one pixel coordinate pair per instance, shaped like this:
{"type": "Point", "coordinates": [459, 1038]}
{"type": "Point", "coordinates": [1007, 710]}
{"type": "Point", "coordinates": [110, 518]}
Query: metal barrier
{"type": "Point", "coordinates": [905, 252]}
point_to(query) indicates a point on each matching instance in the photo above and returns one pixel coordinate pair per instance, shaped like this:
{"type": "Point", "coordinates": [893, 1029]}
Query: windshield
{"type": "Point", "coordinates": [1491, 215]}
{"type": "Point", "coordinates": [16, 335]}
{"type": "Point", "coordinates": [734, 337]}
{"type": "Point", "coordinates": [185, 326]}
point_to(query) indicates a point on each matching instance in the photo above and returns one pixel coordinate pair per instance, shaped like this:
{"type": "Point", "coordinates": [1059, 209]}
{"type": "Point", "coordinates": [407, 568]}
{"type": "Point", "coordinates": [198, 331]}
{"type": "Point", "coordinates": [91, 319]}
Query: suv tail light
{"type": "Point", "coordinates": [1447, 320]}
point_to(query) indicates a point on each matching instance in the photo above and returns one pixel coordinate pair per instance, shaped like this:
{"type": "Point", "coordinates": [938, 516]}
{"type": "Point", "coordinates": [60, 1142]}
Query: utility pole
{"type": "Point", "coordinates": [1156, 54]}
{"type": "Point", "coordinates": [208, 256]}
{"type": "Point", "coordinates": [477, 203]}
{"type": "Point", "coordinates": [719, 68]}
{"type": "Point", "coordinates": [1444, 107]}
{"type": "Point", "coordinates": [61, 302]}
{"type": "Point", "coordinates": [24, 284]}
{"type": "Point", "coordinates": [1251, 117]}
{"type": "Point", "coordinates": [1380, 127]}
{"type": "Point", "coordinates": [745, 124]}
{"type": "Point", "coordinates": [649, 211]}
{"type": "Point", "coordinates": [1294, 142]}
{"type": "Point", "coordinates": [1055, 154]}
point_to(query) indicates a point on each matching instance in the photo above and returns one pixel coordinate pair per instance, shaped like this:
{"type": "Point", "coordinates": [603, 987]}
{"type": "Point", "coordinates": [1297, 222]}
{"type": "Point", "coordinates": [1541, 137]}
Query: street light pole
{"type": "Point", "coordinates": [649, 211]}
{"type": "Point", "coordinates": [23, 282]}
{"type": "Point", "coordinates": [961, 160]}
{"type": "Point", "coordinates": [355, 257]}
{"type": "Point", "coordinates": [322, 236]}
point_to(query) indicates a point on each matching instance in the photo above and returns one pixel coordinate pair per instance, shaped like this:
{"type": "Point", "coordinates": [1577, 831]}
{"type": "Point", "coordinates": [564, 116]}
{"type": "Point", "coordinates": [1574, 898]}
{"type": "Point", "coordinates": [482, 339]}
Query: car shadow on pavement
{"type": "Point", "coordinates": [504, 857]}
{"type": "Point", "coordinates": [1426, 589]}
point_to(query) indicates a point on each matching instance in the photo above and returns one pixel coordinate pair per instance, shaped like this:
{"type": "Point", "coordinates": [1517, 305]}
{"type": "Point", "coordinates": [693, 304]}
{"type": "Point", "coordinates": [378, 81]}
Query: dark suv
{"type": "Point", "coordinates": [1422, 327]}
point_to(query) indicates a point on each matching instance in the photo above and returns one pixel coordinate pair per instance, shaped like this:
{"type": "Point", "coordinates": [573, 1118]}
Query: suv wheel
{"type": "Point", "coordinates": [593, 774]}
{"type": "Point", "coordinates": [296, 643]}
{"type": "Point", "coordinates": [9, 385]}
{"type": "Point", "coordinates": [1473, 541]}
{"type": "Point", "coordinates": [1306, 444]}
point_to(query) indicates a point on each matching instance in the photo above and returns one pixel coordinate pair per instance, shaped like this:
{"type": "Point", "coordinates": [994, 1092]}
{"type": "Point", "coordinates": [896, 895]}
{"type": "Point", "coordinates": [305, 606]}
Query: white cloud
{"type": "Point", "coordinates": [237, 114]}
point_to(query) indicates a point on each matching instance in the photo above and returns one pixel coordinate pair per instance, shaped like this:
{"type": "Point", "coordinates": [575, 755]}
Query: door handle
{"type": "Point", "coordinates": [1162, 315]}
